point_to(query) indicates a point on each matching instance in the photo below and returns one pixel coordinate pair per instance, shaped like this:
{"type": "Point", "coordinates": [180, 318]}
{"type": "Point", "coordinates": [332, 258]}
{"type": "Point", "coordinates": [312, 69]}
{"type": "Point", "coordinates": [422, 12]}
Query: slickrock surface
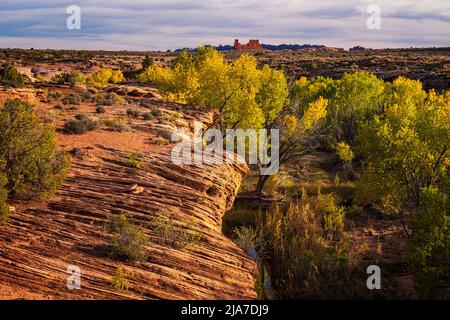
{"type": "Point", "coordinates": [42, 240]}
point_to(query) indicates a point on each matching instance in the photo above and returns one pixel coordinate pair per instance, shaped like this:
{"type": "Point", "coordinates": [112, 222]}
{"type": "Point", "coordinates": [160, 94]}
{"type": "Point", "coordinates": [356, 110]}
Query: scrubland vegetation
{"type": "Point", "coordinates": [31, 167]}
{"type": "Point", "coordinates": [389, 141]}
{"type": "Point", "coordinates": [393, 140]}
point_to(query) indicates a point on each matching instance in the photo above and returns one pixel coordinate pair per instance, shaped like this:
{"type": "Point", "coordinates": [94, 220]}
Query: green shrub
{"type": "Point", "coordinates": [116, 124]}
{"type": "Point", "coordinates": [128, 242]}
{"type": "Point", "coordinates": [72, 78]}
{"type": "Point", "coordinates": [245, 237]}
{"type": "Point", "coordinates": [32, 165]}
{"type": "Point", "coordinates": [302, 262]}
{"type": "Point", "coordinates": [133, 113]}
{"type": "Point", "coordinates": [119, 281]}
{"type": "Point", "coordinates": [4, 208]}
{"type": "Point", "coordinates": [331, 215]}
{"type": "Point", "coordinates": [100, 109]}
{"type": "Point", "coordinates": [109, 99]}
{"type": "Point", "coordinates": [103, 77]}
{"type": "Point", "coordinates": [147, 116]}
{"type": "Point", "coordinates": [159, 141]}
{"type": "Point", "coordinates": [75, 127]}
{"type": "Point", "coordinates": [12, 77]}
{"type": "Point", "coordinates": [147, 62]}
{"type": "Point", "coordinates": [134, 161]}
{"type": "Point", "coordinates": [170, 234]}
{"type": "Point", "coordinates": [81, 124]}
{"type": "Point", "coordinates": [116, 224]}
{"type": "Point", "coordinates": [156, 113]}
{"type": "Point", "coordinates": [429, 250]}
{"type": "Point", "coordinates": [116, 98]}
{"type": "Point", "coordinates": [72, 98]}
{"type": "Point", "coordinates": [86, 96]}
{"type": "Point", "coordinates": [54, 95]}
{"type": "Point", "coordinates": [145, 104]}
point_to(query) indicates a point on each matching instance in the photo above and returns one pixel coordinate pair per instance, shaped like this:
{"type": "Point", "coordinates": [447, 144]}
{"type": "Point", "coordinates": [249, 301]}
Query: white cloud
{"type": "Point", "coordinates": [164, 24]}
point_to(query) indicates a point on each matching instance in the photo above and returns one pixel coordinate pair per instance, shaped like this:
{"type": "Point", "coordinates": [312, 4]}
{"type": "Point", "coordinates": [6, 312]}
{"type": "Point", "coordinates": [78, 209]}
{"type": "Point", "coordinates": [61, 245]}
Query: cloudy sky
{"type": "Point", "coordinates": [170, 24]}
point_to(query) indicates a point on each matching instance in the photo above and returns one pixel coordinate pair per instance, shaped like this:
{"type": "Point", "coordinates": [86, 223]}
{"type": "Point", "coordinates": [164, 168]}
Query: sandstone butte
{"type": "Point", "coordinates": [43, 239]}
{"type": "Point", "coordinates": [253, 44]}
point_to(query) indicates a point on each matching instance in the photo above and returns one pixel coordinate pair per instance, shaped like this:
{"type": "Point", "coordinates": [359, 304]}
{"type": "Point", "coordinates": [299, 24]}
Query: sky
{"type": "Point", "coordinates": [172, 24]}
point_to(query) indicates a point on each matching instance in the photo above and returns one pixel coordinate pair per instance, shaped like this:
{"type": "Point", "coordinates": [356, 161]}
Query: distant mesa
{"type": "Point", "coordinates": [253, 44]}
{"type": "Point", "coordinates": [358, 48]}
{"type": "Point", "coordinates": [256, 45]}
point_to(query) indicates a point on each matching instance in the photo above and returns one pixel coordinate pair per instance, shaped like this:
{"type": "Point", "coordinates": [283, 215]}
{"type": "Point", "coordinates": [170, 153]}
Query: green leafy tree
{"type": "Point", "coordinates": [11, 76]}
{"type": "Point", "coordinates": [245, 95]}
{"type": "Point", "coordinates": [345, 153]}
{"type": "Point", "coordinates": [300, 133]}
{"type": "Point", "coordinates": [358, 97]}
{"type": "Point", "coordinates": [407, 162]}
{"type": "Point", "coordinates": [106, 76]}
{"type": "Point", "coordinates": [71, 78]}
{"type": "Point", "coordinates": [405, 149]}
{"type": "Point", "coordinates": [32, 165]}
{"type": "Point", "coordinates": [429, 253]}
{"type": "Point", "coordinates": [4, 208]}
{"type": "Point", "coordinates": [147, 62]}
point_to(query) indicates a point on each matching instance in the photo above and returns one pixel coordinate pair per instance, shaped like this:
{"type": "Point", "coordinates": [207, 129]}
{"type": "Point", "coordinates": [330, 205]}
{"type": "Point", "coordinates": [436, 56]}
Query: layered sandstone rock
{"type": "Point", "coordinates": [42, 240]}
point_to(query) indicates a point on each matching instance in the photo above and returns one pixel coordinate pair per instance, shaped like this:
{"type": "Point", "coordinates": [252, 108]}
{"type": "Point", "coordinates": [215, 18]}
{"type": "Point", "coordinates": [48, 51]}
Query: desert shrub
{"type": "Point", "coordinates": [170, 234]}
{"type": "Point", "coordinates": [106, 76]}
{"type": "Point", "coordinates": [116, 124]}
{"type": "Point", "coordinates": [81, 124]}
{"type": "Point", "coordinates": [145, 104]}
{"type": "Point", "coordinates": [302, 262]}
{"type": "Point", "coordinates": [116, 98]}
{"type": "Point", "coordinates": [101, 100]}
{"type": "Point", "coordinates": [147, 116]}
{"type": "Point", "coordinates": [130, 75]}
{"type": "Point", "coordinates": [133, 113]}
{"type": "Point", "coordinates": [82, 117]}
{"type": "Point", "coordinates": [4, 208]}
{"type": "Point", "coordinates": [100, 109]}
{"type": "Point", "coordinates": [117, 223]}
{"type": "Point", "coordinates": [119, 280]}
{"type": "Point", "coordinates": [109, 99]}
{"type": "Point", "coordinates": [41, 78]}
{"type": "Point", "coordinates": [127, 242]}
{"type": "Point", "coordinates": [238, 217]}
{"type": "Point", "coordinates": [330, 214]}
{"type": "Point", "coordinates": [10, 76]}
{"type": "Point", "coordinates": [134, 161]}
{"type": "Point", "coordinates": [156, 113]}
{"type": "Point", "coordinates": [429, 252]}
{"type": "Point", "coordinates": [35, 71]}
{"type": "Point", "coordinates": [72, 98]}
{"type": "Point", "coordinates": [58, 107]}
{"type": "Point", "coordinates": [160, 141]}
{"type": "Point", "coordinates": [32, 165]}
{"type": "Point", "coordinates": [245, 237]}
{"type": "Point", "coordinates": [86, 96]}
{"type": "Point", "coordinates": [72, 78]}
{"type": "Point", "coordinates": [54, 95]}
{"type": "Point", "coordinates": [79, 153]}
{"type": "Point", "coordinates": [345, 153]}
{"type": "Point", "coordinates": [147, 62]}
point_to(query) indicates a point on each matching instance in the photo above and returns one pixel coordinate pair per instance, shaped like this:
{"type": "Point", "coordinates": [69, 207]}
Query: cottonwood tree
{"type": "Point", "coordinates": [407, 172]}
{"type": "Point", "coordinates": [247, 97]}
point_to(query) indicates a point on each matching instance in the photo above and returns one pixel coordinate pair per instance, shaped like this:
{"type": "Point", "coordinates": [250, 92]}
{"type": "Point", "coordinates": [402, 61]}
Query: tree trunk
{"type": "Point", "coordinates": [260, 184]}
